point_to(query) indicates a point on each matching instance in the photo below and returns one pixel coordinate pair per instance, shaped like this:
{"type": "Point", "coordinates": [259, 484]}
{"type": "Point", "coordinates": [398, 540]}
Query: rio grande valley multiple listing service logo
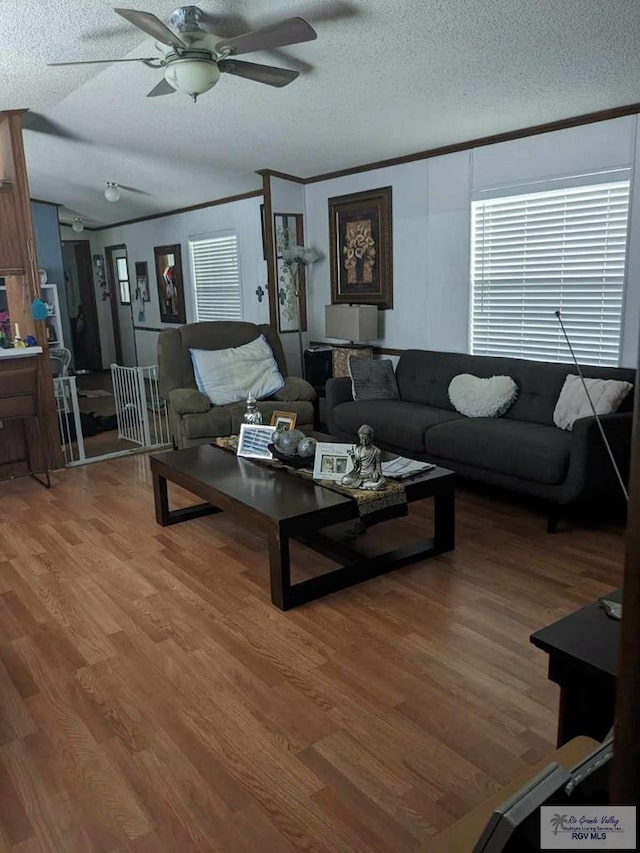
{"type": "Point", "coordinates": [588, 828]}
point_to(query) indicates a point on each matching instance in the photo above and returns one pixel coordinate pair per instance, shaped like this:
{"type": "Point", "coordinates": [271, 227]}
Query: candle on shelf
{"type": "Point", "coordinates": [17, 332]}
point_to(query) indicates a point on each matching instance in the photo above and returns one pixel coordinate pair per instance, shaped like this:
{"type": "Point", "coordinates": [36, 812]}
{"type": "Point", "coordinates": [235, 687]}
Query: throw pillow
{"type": "Point", "coordinates": [228, 375]}
{"type": "Point", "coordinates": [482, 398]}
{"type": "Point", "coordinates": [372, 379]}
{"type": "Point", "coordinates": [573, 403]}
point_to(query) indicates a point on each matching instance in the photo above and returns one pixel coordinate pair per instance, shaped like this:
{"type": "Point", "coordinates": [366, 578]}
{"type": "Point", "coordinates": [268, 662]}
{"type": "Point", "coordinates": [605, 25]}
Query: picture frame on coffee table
{"type": "Point", "coordinates": [287, 418]}
{"type": "Point", "coordinates": [332, 461]}
{"type": "Point", "coordinates": [253, 441]}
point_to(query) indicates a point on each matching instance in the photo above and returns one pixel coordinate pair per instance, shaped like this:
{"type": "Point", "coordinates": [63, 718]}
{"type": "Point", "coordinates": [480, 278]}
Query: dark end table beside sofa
{"type": "Point", "coordinates": [522, 451]}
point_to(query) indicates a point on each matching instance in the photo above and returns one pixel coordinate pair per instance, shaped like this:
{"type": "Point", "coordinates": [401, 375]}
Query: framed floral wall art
{"type": "Point", "coordinates": [361, 251]}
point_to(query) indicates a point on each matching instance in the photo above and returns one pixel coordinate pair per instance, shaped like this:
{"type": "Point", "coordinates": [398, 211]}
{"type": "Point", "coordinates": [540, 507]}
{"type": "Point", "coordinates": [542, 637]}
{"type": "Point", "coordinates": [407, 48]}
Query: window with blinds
{"type": "Point", "coordinates": [534, 254]}
{"type": "Point", "coordinates": [216, 277]}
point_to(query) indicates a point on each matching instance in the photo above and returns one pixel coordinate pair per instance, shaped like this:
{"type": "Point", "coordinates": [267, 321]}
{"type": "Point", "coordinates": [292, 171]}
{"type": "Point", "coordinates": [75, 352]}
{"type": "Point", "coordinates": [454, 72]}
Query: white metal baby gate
{"type": "Point", "coordinates": [140, 414]}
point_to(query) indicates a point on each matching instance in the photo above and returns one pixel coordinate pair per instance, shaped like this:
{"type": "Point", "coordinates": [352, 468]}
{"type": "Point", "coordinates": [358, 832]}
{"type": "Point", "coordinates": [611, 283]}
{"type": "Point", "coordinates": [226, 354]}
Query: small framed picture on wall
{"type": "Point", "coordinates": [288, 230]}
{"type": "Point", "coordinates": [142, 280]}
{"type": "Point", "coordinates": [170, 284]}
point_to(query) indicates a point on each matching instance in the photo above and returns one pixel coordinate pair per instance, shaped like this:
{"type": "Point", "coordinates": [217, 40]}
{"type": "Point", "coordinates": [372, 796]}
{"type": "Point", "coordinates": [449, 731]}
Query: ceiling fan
{"type": "Point", "coordinates": [196, 57]}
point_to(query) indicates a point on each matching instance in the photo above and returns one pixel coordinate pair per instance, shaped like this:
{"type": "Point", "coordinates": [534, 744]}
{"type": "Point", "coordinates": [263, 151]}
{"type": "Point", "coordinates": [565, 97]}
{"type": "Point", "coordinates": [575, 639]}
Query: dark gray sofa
{"type": "Point", "coordinates": [522, 450]}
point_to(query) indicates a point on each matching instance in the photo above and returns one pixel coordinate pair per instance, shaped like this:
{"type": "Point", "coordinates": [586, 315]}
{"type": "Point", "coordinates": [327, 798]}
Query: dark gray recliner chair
{"type": "Point", "coordinates": [192, 418]}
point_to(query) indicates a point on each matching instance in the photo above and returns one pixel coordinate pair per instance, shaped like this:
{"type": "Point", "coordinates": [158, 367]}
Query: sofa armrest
{"type": "Point", "coordinates": [188, 401]}
{"type": "Point", "coordinates": [295, 389]}
{"type": "Point", "coordinates": [337, 390]}
{"type": "Point", "coordinates": [591, 474]}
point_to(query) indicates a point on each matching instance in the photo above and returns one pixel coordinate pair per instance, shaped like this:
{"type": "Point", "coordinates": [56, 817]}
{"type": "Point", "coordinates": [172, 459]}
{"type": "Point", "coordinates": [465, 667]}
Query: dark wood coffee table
{"type": "Point", "coordinates": [287, 507]}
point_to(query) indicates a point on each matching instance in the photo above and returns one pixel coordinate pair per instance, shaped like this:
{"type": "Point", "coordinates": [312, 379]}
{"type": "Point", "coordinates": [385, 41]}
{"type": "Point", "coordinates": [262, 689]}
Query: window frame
{"type": "Point", "coordinates": [582, 184]}
{"type": "Point", "coordinates": [221, 233]}
{"type": "Point", "coordinates": [120, 281]}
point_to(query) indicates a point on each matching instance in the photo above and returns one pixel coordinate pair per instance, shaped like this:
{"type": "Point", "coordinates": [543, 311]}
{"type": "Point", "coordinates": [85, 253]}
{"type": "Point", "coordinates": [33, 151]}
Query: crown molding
{"type": "Point", "coordinates": [226, 200]}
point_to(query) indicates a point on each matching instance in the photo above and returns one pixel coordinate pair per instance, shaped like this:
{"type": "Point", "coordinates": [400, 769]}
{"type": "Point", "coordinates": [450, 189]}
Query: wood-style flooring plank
{"type": "Point", "coordinates": [153, 701]}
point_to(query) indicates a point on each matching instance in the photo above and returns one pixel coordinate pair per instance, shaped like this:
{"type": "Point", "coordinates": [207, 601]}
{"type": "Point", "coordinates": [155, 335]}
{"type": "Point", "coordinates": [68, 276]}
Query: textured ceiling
{"type": "Point", "coordinates": [383, 79]}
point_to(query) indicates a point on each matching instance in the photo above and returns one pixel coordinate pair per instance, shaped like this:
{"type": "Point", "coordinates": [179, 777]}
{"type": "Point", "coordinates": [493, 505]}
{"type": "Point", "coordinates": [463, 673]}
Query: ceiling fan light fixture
{"type": "Point", "coordinates": [77, 225]}
{"type": "Point", "coordinates": [112, 192]}
{"type": "Point", "coordinates": [192, 77]}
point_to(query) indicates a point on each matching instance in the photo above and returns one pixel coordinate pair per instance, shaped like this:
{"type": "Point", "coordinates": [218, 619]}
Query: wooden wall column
{"type": "Point", "coordinates": [626, 762]}
{"type": "Point", "coordinates": [272, 287]}
{"type": "Point", "coordinates": [19, 268]}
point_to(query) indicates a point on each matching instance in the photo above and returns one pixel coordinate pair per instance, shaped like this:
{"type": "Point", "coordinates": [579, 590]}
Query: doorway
{"type": "Point", "coordinates": [119, 283]}
{"type": "Point", "coordinates": [81, 299]}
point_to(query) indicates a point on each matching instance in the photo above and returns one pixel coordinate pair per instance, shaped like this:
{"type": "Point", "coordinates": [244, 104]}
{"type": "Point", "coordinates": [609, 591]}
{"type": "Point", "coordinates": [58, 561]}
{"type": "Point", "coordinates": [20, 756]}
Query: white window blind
{"type": "Point", "coordinates": [216, 277]}
{"type": "Point", "coordinates": [536, 253]}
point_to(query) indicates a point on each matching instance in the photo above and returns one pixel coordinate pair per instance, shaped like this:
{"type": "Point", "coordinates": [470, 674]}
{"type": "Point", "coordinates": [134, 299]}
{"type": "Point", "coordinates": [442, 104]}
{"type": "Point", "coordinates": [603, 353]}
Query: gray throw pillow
{"type": "Point", "coordinates": [372, 379]}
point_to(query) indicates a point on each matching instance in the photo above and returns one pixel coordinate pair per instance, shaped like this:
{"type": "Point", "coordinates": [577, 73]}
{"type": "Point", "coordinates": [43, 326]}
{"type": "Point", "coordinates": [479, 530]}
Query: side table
{"type": "Point", "coordinates": [583, 660]}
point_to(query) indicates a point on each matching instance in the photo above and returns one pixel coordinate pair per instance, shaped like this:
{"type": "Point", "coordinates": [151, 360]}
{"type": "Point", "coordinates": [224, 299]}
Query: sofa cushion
{"type": "Point", "coordinates": [482, 398]}
{"type": "Point", "coordinates": [229, 375]}
{"type": "Point", "coordinates": [606, 395]}
{"type": "Point", "coordinates": [424, 376]}
{"type": "Point", "coordinates": [529, 451]}
{"type": "Point", "coordinates": [372, 379]}
{"type": "Point", "coordinates": [394, 422]}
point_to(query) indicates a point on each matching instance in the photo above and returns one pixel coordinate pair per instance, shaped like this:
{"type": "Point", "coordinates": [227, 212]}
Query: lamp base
{"type": "Point", "coordinates": [340, 356]}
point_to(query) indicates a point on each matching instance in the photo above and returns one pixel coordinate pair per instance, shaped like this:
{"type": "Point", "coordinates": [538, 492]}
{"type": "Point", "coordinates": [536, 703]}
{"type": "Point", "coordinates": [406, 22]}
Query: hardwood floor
{"type": "Point", "coordinates": [152, 700]}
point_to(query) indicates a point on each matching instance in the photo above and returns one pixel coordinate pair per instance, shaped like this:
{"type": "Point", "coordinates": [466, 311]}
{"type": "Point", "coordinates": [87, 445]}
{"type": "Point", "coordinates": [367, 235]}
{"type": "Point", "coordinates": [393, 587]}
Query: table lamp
{"type": "Point", "coordinates": [355, 324]}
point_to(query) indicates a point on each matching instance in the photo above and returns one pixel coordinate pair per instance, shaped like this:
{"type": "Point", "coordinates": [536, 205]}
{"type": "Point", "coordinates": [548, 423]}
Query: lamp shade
{"type": "Point", "coordinates": [351, 322]}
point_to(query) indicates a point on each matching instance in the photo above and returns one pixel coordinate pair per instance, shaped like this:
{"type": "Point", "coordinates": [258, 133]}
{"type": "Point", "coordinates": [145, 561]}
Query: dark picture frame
{"type": "Point", "coordinates": [288, 230]}
{"type": "Point", "coordinates": [142, 280]}
{"type": "Point", "coordinates": [170, 283]}
{"type": "Point", "coordinates": [361, 248]}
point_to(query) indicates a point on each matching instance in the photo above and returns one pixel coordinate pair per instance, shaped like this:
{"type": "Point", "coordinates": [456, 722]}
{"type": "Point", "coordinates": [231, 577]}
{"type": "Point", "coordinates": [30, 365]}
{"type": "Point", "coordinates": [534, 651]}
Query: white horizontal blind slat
{"type": "Point", "coordinates": [533, 254]}
{"type": "Point", "coordinates": [216, 278]}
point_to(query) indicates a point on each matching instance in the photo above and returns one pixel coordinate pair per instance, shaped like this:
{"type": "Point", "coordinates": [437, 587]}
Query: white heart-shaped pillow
{"type": "Point", "coordinates": [482, 398]}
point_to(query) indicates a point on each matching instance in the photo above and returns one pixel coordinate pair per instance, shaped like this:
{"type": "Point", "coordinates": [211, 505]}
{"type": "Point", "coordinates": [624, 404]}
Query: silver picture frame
{"type": "Point", "coordinates": [332, 461]}
{"type": "Point", "coordinates": [253, 441]}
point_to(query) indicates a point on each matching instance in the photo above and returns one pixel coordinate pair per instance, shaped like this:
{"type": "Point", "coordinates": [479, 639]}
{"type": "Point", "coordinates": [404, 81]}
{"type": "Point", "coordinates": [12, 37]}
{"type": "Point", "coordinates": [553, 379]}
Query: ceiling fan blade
{"type": "Point", "coordinates": [38, 123]}
{"type": "Point", "coordinates": [163, 88]}
{"type": "Point", "coordinates": [289, 31]}
{"type": "Point", "coordinates": [268, 74]}
{"type": "Point", "coordinates": [328, 10]}
{"type": "Point", "coordinates": [152, 26]}
{"type": "Point", "coordinates": [105, 61]}
{"type": "Point", "coordinates": [134, 189]}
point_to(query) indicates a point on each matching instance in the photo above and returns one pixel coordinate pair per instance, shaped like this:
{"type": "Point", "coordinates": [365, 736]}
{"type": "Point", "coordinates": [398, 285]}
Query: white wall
{"type": "Point", "coordinates": [140, 238]}
{"type": "Point", "coordinates": [431, 227]}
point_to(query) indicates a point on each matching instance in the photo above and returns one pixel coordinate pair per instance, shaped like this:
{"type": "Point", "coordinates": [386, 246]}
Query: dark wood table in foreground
{"type": "Point", "coordinates": [287, 507]}
{"type": "Point", "coordinates": [583, 660]}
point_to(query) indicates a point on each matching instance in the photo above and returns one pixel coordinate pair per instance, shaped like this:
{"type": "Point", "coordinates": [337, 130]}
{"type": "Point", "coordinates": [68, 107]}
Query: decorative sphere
{"type": "Point", "coordinates": [287, 441]}
{"type": "Point", "coordinates": [307, 446]}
